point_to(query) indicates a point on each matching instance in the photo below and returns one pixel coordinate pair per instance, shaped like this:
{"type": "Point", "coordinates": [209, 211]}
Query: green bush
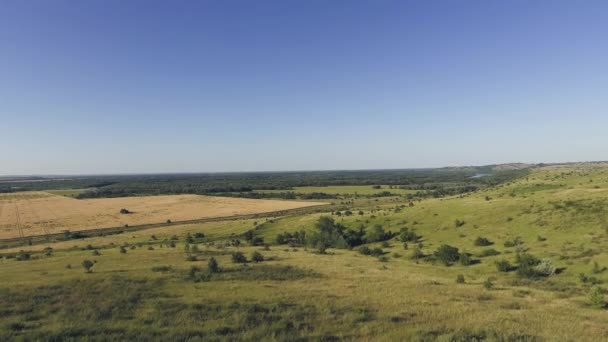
{"type": "Point", "coordinates": [364, 250]}
{"type": "Point", "coordinates": [257, 257]}
{"type": "Point", "coordinates": [213, 266]}
{"type": "Point", "coordinates": [489, 252]}
{"type": "Point", "coordinates": [447, 254]}
{"type": "Point", "coordinates": [417, 253]}
{"type": "Point", "coordinates": [465, 259]}
{"type": "Point", "coordinates": [238, 258]}
{"type": "Point", "coordinates": [596, 298]}
{"type": "Point", "coordinates": [514, 243]}
{"type": "Point", "coordinates": [482, 241]}
{"type": "Point", "coordinates": [407, 235]}
{"type": "Point", "coordinates": [503, 266]}
{"type": "Point", "coordinates": [87, 265]}
{"type": "Point", "coordinates": [377, 252]}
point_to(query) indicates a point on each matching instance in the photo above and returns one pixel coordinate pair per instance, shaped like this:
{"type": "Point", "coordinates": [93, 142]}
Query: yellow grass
{"type": "Point", "coordinates": [38, 213]}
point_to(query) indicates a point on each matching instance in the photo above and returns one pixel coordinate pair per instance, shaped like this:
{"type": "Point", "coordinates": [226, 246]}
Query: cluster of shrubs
{"type": "Point", "coordinates": [240, 258]}
{"type": "Point", "coordinates": [330, 234]}
{"type": "Point", "coordinates": [376, 252]}
{"type": "Point", "coordinates": [252, 239]}
{"type": "Point", "coordinates": [448, 255]}
{"type": "Point", "coordinates": [292, 239]}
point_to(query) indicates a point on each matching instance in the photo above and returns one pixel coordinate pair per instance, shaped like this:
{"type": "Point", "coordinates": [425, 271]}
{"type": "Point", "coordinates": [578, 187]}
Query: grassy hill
{"type": "Point", "coordinates": [148, 284]}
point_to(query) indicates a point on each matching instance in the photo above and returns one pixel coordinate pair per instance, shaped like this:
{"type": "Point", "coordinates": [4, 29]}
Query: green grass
{"type": "Point", "coordinates": [558, 213]}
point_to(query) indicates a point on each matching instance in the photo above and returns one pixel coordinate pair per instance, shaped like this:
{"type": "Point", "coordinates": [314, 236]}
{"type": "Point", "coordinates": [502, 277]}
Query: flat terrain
{"type": "Point", "coordinates": [37, 213]}
{"type": "Point", "coordinates": [557, 214]}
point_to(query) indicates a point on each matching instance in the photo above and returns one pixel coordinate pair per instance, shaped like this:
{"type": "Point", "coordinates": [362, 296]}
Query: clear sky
{"type": "Point", "coordinates": [106, 86]}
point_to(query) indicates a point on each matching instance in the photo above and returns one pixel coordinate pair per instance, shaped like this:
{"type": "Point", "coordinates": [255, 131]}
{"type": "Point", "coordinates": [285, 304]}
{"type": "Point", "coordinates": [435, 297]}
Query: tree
{"type": "Point", "coordinates": [375, 234]}
{"type": "Point", "coordinates": [87, 265]}
{"type": "Point", "coordinates": [213, 266]}
{"type": "Point", "coordinates": [447, 254]}
{"type": "Point", "coordinates": [328, 234]}
{"type": "Point", "coordinates": [257, 257]}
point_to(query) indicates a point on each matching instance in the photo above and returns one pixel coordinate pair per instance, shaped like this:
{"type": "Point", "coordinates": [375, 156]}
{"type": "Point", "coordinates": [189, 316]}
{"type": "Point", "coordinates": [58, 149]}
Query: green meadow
{"type": "Point", "coordinates": [531, 265]}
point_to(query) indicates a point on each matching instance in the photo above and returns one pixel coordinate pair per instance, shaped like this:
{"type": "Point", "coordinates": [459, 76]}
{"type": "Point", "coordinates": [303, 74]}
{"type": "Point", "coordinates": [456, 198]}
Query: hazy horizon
{"type": "Point", "coordinates": [115, 87]}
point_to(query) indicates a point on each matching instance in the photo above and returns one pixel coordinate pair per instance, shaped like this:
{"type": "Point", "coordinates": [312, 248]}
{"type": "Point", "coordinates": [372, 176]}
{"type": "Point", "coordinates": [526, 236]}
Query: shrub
{"type": "Point", "coordinates": [161, 268]}
{"type": "Point", "coordinates": [124, 211]}
{"type": "Point", "coordinates": [459, 223]}
{"type": "Point", "coordinates": [447, 254]}
{"type": "Point", "coordinates": [545, 268]}
{"type": "Point", "coordinates": [482, 241]}
{"type": "Point", "coordinates": [514, 243]}
{"type": "Point", "coordinates": [503, 266]}
{"type": "Point", "coordinates": [465, 259]}
{"type": "Point", "coordinates": [257, 257]}
{"type": "Point", "coordinates": [385, 244]}
{"type": "Point", "coordinates": [376, 233]}
{"type": "Point", "coordinates": [213, 266]}
{"type": "Point", "coordinates": [489, 252]}
{"type": "Point", "coordinates": [382, 258]}
{"type": "Point", "coordinates": [328, 234]}
{"type": "Point", "coordinates": [87, 265]}
{"type": "Point", "coordinates": [377, 252]}
{"type": "Point", "coordinates": [596, 298]}
{"type": "Point", "coordinates": [530, 266]}
{"type": "Point", "coordinates": [123, 250]}
{"type": "Point", "coordinates": [417, 253]}
{"type": "Point", "coordinates": [588, 280]}
{"type": "Point", "coordinates": [238, 258]}
{"type": "Point", "coordinates": [364, 250]}
{"type": "Point", "coordinates": [407, 235]}
{"type": "Point", "coordinates": [460, 279]}
{"type": "Point", "coordinates": [199, 235]}
{"type": "Point", "coordinates": [96, 253]}
{"type": "Point", "coordinates": [488, 284]}
{"type": "Point", "coordinates": [23, 256]}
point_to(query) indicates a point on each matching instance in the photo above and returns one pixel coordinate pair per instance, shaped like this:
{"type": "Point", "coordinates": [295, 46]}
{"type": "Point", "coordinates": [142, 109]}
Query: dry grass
{"type": "Point", "coordinates": [38, 213]}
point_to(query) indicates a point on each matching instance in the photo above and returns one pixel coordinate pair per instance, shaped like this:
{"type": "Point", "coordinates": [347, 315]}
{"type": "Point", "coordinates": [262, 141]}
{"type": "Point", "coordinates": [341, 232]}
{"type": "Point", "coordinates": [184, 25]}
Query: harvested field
{"type": "Point", "coordinates": [37, 213]}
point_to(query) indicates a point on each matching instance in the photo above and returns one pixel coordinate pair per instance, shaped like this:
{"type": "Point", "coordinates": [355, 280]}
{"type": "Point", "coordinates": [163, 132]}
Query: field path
{"type": "Point", "coordinates": [38, 214]}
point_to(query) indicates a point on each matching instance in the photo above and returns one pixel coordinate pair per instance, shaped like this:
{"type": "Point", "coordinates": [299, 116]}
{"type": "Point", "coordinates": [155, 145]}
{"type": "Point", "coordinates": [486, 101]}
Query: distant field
{"type": "Point", "coordinates": [67, 193]}
{"type": "Point", "coordinates": [36, 213]}
{"type": "Point", "coordinates": [345, 190]}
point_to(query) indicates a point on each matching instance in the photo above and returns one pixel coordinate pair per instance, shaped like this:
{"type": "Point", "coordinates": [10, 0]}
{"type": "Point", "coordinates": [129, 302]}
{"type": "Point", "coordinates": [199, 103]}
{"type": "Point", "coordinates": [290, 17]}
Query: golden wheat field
{"type": "Point", "coordinates": [37, 213]}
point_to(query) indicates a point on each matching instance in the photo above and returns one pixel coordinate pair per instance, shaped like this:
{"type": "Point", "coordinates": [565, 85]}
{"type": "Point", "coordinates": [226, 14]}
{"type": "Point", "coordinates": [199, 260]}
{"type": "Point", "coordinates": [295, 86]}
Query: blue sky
{"type": "Point", "coordinates": [184, 86]}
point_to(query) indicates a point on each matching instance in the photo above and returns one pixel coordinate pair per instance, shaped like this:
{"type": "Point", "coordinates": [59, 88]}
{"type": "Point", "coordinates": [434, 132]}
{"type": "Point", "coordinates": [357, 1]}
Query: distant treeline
{"type": "Point", "coordinates": [438, 181]}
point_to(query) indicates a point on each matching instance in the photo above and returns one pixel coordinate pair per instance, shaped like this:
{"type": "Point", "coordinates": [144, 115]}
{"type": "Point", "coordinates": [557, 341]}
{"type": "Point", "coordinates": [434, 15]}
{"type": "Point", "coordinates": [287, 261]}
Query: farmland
{"type": "Point", "coordinates": [38, 213]}
{"type": "Point", "coordinates": [393, 286]}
